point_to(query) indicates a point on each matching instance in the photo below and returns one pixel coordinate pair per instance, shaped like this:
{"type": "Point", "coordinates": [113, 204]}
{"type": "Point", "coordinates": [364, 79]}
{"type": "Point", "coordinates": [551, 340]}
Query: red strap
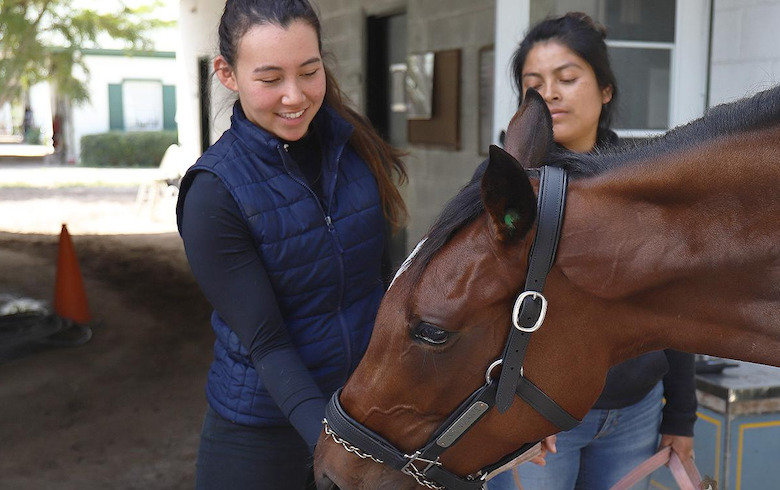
{"type": "Point", "coordinates": [685, 472]}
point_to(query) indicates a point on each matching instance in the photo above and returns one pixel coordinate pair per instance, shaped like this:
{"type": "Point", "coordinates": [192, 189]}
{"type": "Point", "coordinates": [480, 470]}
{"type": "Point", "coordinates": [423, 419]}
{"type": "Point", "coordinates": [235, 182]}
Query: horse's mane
{"type": "Point", "coordinates": [748, 114]}
{"type": "Point", "coordinates": [756, 112]}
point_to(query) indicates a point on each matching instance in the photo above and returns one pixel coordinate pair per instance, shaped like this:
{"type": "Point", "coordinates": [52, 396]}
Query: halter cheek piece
{"type": "Point", "coordinates": [527, 316]}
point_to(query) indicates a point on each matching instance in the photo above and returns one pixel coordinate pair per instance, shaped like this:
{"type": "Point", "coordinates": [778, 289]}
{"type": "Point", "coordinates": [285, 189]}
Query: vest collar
{"type": "Point", "coordinates": [334, 132]}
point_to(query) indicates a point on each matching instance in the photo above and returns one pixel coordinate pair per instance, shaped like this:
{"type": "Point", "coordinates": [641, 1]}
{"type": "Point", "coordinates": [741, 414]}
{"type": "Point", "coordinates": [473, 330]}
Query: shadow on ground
{"type": "Point", "coordinates": [122, 411]}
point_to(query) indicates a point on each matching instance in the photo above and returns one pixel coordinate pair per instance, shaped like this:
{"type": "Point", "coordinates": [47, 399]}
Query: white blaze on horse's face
{"type": "Point", "coordinates": [407, 262]}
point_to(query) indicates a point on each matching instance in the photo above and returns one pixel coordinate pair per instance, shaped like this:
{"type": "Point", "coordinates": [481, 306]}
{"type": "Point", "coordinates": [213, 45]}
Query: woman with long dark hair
{"type": "Point", "coordinates": [285, 221]}
{"type": "Point", "coordinates": [565, 59]}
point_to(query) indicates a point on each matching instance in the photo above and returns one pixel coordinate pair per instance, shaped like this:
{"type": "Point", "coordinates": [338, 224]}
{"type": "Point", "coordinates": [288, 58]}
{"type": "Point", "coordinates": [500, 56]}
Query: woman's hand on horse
{"type": "Point", "coordinates": [682, 445]}
{"type": "Point", "coordinates": [548, 445]}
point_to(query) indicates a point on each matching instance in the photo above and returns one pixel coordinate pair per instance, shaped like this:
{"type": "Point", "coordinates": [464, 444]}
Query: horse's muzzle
{"type": "Point", "coordinates": [325, 483]}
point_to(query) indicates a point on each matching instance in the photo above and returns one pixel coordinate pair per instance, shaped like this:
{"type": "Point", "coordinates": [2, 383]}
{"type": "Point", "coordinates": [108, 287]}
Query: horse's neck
{"type": "Point", "coordinates": [692, 238]}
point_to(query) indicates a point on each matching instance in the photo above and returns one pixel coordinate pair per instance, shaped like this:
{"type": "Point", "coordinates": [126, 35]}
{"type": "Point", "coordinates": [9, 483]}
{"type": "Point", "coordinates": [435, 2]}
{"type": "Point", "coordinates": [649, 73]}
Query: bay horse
{"type": "Point", "coordinates": [671, 244]}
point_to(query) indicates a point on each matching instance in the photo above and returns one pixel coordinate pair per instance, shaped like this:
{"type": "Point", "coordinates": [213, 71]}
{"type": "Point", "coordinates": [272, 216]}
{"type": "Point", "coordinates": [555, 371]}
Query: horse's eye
{"type": "Point", "coordinates": [431, 334]}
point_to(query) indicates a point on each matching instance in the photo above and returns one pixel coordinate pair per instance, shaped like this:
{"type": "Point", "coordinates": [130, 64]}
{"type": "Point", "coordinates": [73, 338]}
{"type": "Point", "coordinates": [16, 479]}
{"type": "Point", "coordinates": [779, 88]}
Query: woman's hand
{"type": "Point", "coordinates": [682, 445]}
{"type": "Point", "coordinates": [548, 445]}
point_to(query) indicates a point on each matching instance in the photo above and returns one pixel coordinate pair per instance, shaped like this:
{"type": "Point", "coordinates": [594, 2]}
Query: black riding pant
{"type": "Point", "coordinates": [238, 457]}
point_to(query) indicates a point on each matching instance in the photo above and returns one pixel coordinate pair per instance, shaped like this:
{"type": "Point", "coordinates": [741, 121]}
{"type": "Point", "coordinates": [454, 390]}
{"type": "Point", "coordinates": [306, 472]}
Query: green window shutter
{"type": "Point", "coordinates": [116, 115]}
{"type": "Point", "coordinates": [169, 107]}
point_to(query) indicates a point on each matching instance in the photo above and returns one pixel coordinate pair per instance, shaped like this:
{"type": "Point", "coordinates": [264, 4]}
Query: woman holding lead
{"type": "Point", "coordinates": [565, 59]}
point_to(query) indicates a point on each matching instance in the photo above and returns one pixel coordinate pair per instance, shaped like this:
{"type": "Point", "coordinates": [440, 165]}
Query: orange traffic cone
{"type": "Point", "coordinates": [70, 300]}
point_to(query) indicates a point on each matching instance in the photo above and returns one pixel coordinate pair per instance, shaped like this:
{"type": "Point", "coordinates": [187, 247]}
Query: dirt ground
{"type": "Point", "coordinates": [122, 411]}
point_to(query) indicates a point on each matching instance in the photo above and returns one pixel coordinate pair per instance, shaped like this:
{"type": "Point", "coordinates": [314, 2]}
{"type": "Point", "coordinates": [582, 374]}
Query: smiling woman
{"type": "Point", "coordinates": [285, 222]}
{"type": "Point", "coordinates": [279, 77]}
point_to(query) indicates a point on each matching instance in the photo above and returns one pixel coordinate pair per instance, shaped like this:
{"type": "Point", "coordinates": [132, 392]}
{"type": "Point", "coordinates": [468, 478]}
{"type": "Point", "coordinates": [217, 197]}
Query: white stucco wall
{"type": "Point", "coordinates": [745, 55]}
{"type": "Point", "coordinates": [198, 22]}
{"type": "Point", "coordinates": [40, 103]}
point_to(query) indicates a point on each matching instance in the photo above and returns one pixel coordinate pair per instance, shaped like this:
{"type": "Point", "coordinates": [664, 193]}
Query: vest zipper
{"type": "Point", "coordinates": [337, 242]}
{"type": "Point", "coordinates": [326, 214]}
{"type": "Point", "coordinates": [342, 280]}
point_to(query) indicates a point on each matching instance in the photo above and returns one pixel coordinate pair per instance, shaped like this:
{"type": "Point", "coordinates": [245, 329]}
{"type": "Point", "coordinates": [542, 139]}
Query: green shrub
{"type": "Point", "coordinates": [126, 149]}
{"type": "Point", "coordinates": [33, 136]}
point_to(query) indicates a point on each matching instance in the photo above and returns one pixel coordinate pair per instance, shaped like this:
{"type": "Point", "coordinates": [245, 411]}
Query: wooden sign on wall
{"type": "Point", "coordinates": [443, 128]}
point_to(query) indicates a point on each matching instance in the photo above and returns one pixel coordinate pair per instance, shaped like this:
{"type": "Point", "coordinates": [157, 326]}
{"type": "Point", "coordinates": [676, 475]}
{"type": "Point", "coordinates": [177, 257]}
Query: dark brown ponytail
{"type": "Point", "coordinates": [383, 160]}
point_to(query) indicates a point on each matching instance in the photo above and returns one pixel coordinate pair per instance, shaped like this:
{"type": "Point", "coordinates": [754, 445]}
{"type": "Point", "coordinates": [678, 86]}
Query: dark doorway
{"type": "Point", "coordinates": [385, 66]}
{"type": "Point", "coordinates": [204, 91]}
{"type": "Point", "coordinates": [386, 54]}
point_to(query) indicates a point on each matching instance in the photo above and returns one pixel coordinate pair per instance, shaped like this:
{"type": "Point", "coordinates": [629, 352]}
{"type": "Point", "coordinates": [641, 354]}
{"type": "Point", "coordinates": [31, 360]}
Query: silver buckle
{"type": "Point", "coordinates": [490, 369]}
{"type": "Point", "coordinates": [518, 305]}
{"type": "Point", "coordinates": [495, 364]}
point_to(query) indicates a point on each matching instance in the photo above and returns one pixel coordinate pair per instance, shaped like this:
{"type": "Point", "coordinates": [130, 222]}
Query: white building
{"type": "Point", "coordinates": [127, 93]}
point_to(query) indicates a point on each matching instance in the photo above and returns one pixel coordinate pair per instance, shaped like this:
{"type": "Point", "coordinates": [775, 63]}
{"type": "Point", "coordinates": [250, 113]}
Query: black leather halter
{"type": "Point", "coordinates": [527, 316]}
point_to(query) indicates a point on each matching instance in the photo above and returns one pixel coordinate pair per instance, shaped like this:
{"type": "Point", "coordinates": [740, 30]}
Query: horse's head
{"type": "Point", "coordinates": [445, 320]}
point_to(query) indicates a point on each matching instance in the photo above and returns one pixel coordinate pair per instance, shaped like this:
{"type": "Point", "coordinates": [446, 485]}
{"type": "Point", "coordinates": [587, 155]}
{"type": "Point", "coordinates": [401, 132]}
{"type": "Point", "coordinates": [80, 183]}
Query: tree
{"type": "Point", "coordinates": [42, 40]}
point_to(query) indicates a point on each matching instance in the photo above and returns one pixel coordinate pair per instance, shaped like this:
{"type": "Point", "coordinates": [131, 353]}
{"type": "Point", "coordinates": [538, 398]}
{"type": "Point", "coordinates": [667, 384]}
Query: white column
{"type": "Point", "coordinates": [690, 63]}
{"type": "Point", "coordinates": [512, 20]}
{"type": "Point", "coordinates": [40, 102]}
{"type": "Point", "coordinates": [198, 21]}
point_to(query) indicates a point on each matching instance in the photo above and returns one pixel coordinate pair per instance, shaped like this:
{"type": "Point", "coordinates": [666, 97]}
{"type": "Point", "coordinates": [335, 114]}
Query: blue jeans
{"type": "Point", "coordinates": [238, 457]}
{"type": "Point", "coordinates": [595, 455]}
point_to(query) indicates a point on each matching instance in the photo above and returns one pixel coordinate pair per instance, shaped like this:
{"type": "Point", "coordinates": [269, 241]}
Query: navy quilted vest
{"type": "Point", "coordinates": [323, 260]}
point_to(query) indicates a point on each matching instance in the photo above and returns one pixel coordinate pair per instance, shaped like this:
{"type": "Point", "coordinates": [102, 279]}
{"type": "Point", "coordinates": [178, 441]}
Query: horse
{"type": "Point", "coordinates": [670, 244]}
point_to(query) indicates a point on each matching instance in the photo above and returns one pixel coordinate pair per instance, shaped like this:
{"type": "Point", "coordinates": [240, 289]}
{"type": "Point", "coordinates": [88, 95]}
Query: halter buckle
{"type": "Point", "coordinates": [518, 305]}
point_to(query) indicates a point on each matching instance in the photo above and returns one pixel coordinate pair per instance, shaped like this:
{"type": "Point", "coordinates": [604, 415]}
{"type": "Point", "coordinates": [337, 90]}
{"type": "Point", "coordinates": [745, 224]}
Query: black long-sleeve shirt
{"type": "Point", "coordinates": [223, 260]}
{"type": "Point", "coordinates": [630, 381]}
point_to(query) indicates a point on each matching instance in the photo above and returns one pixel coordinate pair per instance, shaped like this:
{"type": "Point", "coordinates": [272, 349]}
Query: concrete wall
{"type": "Point", "coordinates": [436, 174]}
{"type": "Point", "coordinates": [745, 56]}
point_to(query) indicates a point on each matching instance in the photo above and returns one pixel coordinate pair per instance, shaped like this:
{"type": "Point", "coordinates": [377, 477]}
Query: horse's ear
{"type": "Point", "coordinates": [508, 196]}
{"type": "Point", "coordinates": [529, 136]}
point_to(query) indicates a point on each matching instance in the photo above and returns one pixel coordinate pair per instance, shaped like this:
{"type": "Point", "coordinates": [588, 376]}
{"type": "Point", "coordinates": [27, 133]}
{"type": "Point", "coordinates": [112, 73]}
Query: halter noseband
{"type": "Point", "coordinates": [527, 316]}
